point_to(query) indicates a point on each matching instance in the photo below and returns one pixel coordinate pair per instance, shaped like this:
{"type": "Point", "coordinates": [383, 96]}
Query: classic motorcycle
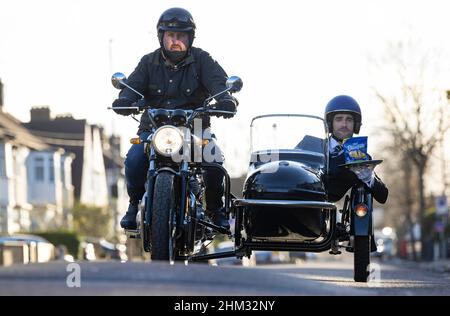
{"type": "Point", "coordinates": [284, 205]}
{"type": "Point", "coordinates": [172, 221]}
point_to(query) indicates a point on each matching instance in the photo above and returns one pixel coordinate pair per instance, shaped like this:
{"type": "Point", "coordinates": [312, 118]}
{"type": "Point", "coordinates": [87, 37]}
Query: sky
{"type": "Point", "coordinates": [293, 56]}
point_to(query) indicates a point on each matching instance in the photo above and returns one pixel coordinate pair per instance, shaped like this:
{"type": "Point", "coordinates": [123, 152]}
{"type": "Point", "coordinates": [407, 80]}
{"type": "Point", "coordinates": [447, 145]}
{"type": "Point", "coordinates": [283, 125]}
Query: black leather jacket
{"type": "Point", "coordinates": [184, 86]}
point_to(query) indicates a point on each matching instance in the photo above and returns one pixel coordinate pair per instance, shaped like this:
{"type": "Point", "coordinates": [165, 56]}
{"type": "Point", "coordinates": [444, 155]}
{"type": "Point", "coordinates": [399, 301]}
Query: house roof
{"type": "Point", "coordinates": [69, 133]}
{"type": "Point", "coordinates": [12, 128]}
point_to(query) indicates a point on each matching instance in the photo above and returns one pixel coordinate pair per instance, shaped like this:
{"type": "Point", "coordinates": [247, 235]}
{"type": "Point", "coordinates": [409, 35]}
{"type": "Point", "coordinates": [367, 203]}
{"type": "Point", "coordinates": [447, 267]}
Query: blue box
{"type": "Point", "coordinates": [355, 149]}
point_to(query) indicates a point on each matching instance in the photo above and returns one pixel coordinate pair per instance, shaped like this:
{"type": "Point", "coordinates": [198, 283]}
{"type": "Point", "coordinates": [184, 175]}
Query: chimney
{"type": "Point", "coordinates": [1, 95]}
{"type": "Point", "coordinates": [40, 114]}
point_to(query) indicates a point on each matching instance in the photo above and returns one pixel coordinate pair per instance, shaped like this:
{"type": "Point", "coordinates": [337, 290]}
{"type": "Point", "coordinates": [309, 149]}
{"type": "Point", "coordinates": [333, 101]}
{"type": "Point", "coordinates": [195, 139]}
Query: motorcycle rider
{"type": "Point", "coordinates": [343, 118]}
{"type": "Point", "coordinates": [174, 76]}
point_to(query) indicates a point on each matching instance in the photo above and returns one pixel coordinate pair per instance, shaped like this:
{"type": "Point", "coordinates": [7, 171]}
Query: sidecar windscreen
{"type": "Point", "coordinates": [291, 137]}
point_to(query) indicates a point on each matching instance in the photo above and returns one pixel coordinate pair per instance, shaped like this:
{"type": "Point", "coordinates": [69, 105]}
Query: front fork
{"type": "Point", "coordinates": [147, 218]}
{"type": "Point", "coordinates": [359, 225]}
{"type": "Point", "coordinates": [184, 177]}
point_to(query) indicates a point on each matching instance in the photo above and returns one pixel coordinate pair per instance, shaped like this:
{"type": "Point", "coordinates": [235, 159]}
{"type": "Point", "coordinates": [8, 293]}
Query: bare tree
{"type": "Point", "coordinates": [400, 178]}
{"type": "Point", "coordinates": [416, 115]}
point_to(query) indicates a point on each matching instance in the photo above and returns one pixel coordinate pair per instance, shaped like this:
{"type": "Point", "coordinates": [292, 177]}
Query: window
{"type": "Point", "coordinates": [2, 161]}
{"type": "Point", "coordinates": [16, 164]}
{"type": "Point", "coordinates": [114, 191]}
{"type": "Point", "coordinates": [62, 172]}
{"type": "Point", "coordinates": [39, 169]}
{"type": "Point", "coordinates": [51, 170]}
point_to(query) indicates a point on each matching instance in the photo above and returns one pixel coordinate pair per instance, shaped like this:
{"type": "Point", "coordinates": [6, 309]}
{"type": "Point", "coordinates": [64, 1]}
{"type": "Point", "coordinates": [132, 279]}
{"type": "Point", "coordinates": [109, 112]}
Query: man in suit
{"type": "Point", "coordinates": [343, 118]}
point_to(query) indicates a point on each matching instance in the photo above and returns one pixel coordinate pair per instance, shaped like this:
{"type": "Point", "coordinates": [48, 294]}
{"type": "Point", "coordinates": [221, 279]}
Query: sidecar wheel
{"type": "Point", "coordinates": [163, 204]}
{"type": "Point", "coordinates": [361, 258]}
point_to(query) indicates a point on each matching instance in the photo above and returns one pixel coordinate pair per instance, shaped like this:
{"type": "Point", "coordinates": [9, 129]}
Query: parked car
{"type": "Point", "coordinates": [61, 253]}
{"type": "Point", "coordinates": [24, 248]}
{"type": "Point", "coordinates": [386, 241]}
{"type": "Point", "coordinates": [271, 257]}
{"type": "Point", "coordinates": [101, 249]}
{"type": "Point", "coordinates": [301, 256]}
{"type": "Point", "coordinates": [113, 251]}
{"type": "Point", "coordinates": [263, 256]}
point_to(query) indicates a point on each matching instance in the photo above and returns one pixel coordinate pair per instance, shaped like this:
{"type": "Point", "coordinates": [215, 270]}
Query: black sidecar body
{"type": "Point", "coordinates": [284, 203]}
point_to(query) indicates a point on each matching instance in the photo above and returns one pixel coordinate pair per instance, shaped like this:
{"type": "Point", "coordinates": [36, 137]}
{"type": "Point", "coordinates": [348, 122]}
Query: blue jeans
{"type": "Point", "coordinates": [136, 166]}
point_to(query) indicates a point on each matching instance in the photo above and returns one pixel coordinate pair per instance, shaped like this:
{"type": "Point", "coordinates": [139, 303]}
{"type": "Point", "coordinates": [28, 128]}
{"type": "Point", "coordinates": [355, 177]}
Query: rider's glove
{"type": "Point", "coordinates": [123, 102]}
{"type": "Point", "coordinates": [225, 105]}
{"type": "Point", "coordinates": [365, 174]}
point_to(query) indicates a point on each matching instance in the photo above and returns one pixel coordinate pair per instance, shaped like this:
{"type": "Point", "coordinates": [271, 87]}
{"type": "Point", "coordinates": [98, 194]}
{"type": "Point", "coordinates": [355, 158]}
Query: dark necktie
{"type": "Point", "coordinates": [336, 151]}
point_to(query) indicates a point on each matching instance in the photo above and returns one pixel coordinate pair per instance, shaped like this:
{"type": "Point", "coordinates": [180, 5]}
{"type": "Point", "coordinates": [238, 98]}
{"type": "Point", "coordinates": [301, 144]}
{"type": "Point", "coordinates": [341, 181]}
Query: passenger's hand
{"type": "Point", "coordinates": [123, 102]}
{"type": "Point", "coordinates": [225, 105]}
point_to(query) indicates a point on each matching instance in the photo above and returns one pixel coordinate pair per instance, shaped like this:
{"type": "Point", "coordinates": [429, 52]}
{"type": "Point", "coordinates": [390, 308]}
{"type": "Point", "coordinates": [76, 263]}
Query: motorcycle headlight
{"type": "Point", "coordinates": [167, 140]}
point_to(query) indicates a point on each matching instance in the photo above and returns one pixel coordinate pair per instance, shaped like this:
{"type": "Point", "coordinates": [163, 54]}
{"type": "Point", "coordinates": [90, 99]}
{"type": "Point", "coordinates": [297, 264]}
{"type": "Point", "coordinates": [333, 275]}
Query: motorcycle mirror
{"type": "Point", "coordinates": [234, 84]}
{"type": "Point", "coordinates": [119, 82]}
{"type": "Point", "coordinates": [118, 79]}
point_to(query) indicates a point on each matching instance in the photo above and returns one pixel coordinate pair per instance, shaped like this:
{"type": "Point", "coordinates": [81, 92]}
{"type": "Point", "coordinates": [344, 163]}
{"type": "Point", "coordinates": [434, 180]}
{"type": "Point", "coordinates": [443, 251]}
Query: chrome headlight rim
{"type": "Point", "coordinates": [177, 133]}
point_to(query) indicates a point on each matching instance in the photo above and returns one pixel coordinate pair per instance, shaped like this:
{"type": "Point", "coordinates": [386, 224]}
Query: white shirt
{"type": "Point", "coordinates": [332, 143]}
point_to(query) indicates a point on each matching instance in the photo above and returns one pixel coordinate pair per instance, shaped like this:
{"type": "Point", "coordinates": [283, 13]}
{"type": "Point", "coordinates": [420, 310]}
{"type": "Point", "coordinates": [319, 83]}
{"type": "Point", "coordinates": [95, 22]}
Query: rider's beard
{"type": "Point", "coordinates": [175, 56]}
{"type": "Point", "coordinates": [339, 136]}
{"type": "Point", "coordinates": [343, 133]}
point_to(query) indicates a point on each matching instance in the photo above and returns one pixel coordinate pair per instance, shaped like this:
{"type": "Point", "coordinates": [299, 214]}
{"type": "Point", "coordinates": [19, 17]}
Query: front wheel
{"type": "Point", "coordinates": [361, 258]}
{"type": "Point", "coordinates": [162, 216]}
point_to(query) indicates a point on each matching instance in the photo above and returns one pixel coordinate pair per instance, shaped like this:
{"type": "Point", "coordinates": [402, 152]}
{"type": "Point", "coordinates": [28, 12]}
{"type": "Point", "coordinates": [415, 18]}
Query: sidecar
{"type": "Point", "coordinates": [284, 205]}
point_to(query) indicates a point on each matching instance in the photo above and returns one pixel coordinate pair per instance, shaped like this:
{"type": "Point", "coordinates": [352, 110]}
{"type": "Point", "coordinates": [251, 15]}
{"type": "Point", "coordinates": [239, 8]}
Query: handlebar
{"type": "Point", "coordinates": [191, 113]}
{"type": "Point", "coordinates": [233, 84]}
{"type": "Point", "coordinates": [123, 108]}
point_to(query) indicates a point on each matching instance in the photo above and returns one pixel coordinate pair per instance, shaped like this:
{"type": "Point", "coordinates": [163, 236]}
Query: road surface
{"type": "Point", "coordinates": [317, 277]}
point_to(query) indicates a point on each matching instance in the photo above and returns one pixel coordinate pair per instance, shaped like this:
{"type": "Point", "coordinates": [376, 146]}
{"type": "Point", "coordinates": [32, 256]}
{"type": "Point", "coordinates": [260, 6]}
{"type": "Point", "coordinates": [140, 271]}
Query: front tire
{"type": "Point", "coordinates": [361, 258]}
{"type": "Point", "coordinates": [163, 207]}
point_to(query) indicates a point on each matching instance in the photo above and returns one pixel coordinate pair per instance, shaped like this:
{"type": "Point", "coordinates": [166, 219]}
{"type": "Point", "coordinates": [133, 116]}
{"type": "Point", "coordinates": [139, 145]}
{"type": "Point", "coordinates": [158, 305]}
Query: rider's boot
{"type": "Point", "coordinates": [219, 218]}
{"type": "Point", "coordinates": [129, 220]}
